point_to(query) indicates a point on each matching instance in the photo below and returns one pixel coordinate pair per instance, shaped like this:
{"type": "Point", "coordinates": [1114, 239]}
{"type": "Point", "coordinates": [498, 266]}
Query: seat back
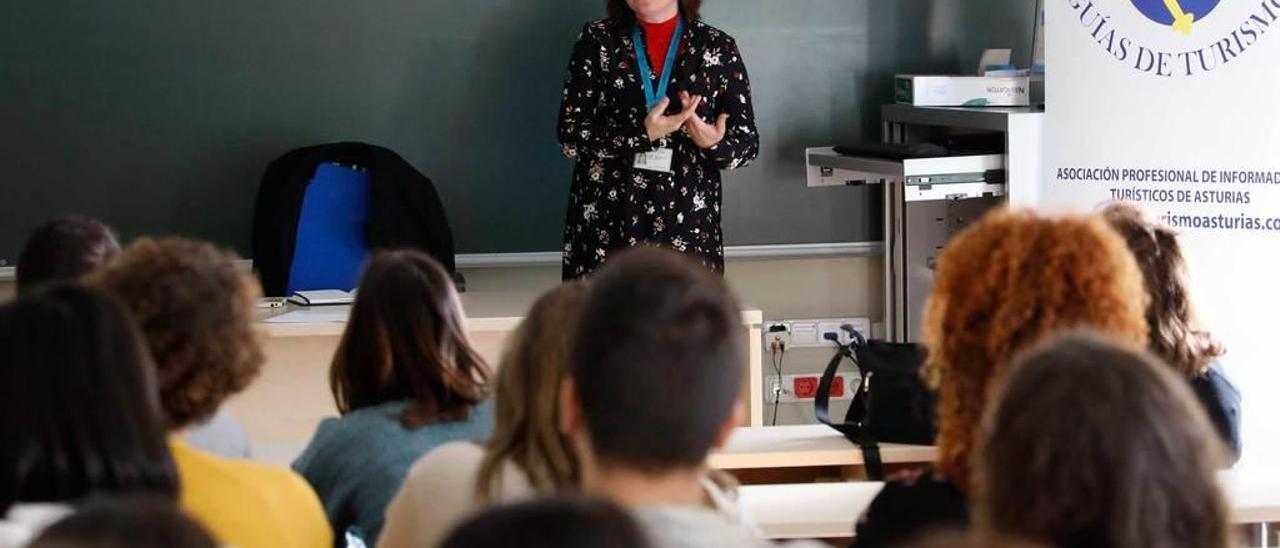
{"type": "Point", "coordinates": [331, 244]}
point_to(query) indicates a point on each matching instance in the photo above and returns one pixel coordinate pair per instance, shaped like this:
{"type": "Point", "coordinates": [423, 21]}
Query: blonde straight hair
{"type": "Point", "coordinates": [526, 421]}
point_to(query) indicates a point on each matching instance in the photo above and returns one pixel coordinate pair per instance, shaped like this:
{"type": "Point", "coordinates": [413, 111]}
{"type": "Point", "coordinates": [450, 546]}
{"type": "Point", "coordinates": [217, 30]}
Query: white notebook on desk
{"type": "Point", "coordinates": [323, 297]}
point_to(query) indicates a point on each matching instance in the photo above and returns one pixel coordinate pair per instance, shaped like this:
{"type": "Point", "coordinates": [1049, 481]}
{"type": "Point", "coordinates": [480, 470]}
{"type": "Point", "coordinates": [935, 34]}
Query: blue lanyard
{"type": "Point", "coordinates": [651, 96]}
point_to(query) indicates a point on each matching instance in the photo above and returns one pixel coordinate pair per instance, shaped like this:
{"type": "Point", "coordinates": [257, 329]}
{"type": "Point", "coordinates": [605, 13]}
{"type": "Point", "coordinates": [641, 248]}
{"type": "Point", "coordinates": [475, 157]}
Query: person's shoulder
{"type": "Point", "coordinates": [449, 460]}
{"type": "Point", "coordinates": [712, 36]}
{"type": "Point", "coordinates": [598, 30]}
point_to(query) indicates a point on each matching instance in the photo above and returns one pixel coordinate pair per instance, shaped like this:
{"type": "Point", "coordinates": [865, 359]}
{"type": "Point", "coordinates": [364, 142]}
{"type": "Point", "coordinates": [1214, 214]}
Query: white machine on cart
{"type": "Point", "coordinates": [928, 200]}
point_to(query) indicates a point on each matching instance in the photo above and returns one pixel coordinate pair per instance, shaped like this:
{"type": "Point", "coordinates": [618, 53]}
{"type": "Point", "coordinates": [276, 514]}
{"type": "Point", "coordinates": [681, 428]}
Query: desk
{"type": "Point", "coordinates": [787, 454]}
{"type": "Point", "coordinates": [829, 510]}
{"type": "Point", "coordinates": [282, 407]}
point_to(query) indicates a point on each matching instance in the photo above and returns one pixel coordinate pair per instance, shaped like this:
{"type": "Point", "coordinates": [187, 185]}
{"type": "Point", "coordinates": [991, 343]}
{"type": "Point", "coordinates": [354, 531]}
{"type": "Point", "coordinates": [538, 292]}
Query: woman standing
{"type": "Point", "coordinates": [656, 103]}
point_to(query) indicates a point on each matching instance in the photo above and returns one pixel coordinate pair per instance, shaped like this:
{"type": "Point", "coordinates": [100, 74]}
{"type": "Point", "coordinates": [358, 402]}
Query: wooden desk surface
{"type": "Point", "coordinates": [829, 510]}
{"type": "Point", "coordinates": [802, 446]}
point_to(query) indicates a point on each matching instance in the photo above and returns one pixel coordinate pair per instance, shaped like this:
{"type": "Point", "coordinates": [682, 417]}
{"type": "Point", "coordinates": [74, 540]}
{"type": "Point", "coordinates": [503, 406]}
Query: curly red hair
{"type": "Point", "coordinates": [1001, 286]}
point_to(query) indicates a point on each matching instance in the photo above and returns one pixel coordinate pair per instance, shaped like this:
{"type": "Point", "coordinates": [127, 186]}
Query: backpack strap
{"type": "Point", "coordinates": [857, 424]}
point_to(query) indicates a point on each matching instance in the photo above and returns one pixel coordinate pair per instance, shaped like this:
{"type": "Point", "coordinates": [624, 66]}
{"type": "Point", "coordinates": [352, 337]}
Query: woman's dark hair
{"type": "Point", "coordinates": [1098, 445]}
{"type": "Point", "coordinates": [567, 522]}
{"type": "Point", "coordinates": [65, 248]}
{"type": "Point", "coordinates": [195, 308]}
{"type": "Point", "coordinates": [406, 340]}
{"type": "Point", "coordinates": [620, 13]}
{"type": "Point", "coordinates": [1175, 334]}
{"type": "Point", "coordinates": [78, 408]}
{"type": "Point", "coordinates": [126, 522]}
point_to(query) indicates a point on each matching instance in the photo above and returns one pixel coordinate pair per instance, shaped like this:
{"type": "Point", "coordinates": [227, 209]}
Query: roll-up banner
{"type": "Point", "coordinates": [1175, 105]}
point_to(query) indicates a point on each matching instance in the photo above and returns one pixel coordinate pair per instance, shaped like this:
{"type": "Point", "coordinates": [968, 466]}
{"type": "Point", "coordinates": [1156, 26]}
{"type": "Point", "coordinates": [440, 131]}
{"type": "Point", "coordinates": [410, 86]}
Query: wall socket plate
{"type": "Point", "coordinates": [848, 381]}
{"type": "Point", "coordinates": [811, 333]}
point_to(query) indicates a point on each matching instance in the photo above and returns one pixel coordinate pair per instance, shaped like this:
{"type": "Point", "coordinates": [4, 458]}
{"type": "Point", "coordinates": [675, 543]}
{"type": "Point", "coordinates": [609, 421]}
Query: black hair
{"type": "Point", "coordinates": [658, 363]}
{"type": "Point", "coordinates": [568, 522]}
{"type": "Point", "coordinates": [78, 408]}
{"type": "Point", "coordinates": [65, 248]}
{"type": "Point", "coordinates": [126, 522]}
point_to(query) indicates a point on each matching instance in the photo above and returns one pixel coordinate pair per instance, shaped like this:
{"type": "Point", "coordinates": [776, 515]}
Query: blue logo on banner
{"type": "Point", "coordinates": [1178, 14]}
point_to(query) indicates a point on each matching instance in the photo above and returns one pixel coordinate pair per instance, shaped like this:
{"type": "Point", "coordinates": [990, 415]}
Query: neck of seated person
{"type": "Point", "coordinates": [636, 488]}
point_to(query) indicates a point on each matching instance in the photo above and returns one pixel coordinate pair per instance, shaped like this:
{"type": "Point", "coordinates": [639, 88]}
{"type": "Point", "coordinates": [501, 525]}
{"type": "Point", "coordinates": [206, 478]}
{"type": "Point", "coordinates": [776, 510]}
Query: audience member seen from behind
{"type": "Point", "coordinates": [405, 379]}
{"type": "Point", "coordinates": [71, 247]}
{"type": "Point", "coordinates": [196, 312]}
{"type": "Point", "coordinates": [1126, 466]}
{"type": "Point", "coordinates": [1176, 335]}
{"type": "Point", "coordinates": [65, 248]}
{"type": "Point", "coordinates": [642, 440]}
{"type": "Point", "coordinates": [78, 409]}
{"type": "Point", "coordinates": [526, 455]}
{"type": "Point", "coordinates": [126, 522]}
{"type": "Point", "coordinates": [550, 523]}
{"type": "Point", "coordinates": [1001, 286]}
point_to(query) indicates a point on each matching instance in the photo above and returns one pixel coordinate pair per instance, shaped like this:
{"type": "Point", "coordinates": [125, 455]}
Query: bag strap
{"type": "Point", "coordinates": [859, 431]}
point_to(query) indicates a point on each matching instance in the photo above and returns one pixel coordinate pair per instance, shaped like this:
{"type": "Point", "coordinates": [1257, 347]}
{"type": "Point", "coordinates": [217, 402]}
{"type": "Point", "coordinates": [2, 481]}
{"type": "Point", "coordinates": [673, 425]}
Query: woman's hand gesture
{"type": "Point", "coordinates": [658, 125]}
{"type": "Point", "coordinates": [704, 135]}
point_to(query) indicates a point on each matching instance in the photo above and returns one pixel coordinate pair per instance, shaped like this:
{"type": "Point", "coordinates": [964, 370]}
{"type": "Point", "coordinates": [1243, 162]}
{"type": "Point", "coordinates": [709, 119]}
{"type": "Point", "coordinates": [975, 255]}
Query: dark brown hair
{"type": "Point", "coordinates": [659, 375]}
{"type": "Point", "coordinates": [407, 340]}
{"type": "Point", "coordinates": [1175, 334]}
{"type": "Point", "coordinates": [1002, 285]}
{"type": "Point", "coordinates": [526, 429]}
{"type": "Point", "coordinates": [79, 413]}
{"type": "Point", "coordinates": [126, 522]}
{"type": "Point", "coordinates": [1095, 444]}
{"type": "Point", "coordinates": [621, 15]}
{"type": "Point", "coordinates": [65, 248]}
{"type": "Point", "coordinates": [558, 522]}
{"type": "Point", "coordinates": [196, 311]}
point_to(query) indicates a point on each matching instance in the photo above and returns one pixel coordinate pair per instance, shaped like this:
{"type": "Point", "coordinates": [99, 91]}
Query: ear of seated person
{"type": "Point", "coordinates": [527, 456]}
{"type": "Point", "coordinates": [196, 312]}
{"type": "Point", "coordinates": [653, 390]}
{"type": "Point", "coordinates": [78, 407]}
{"type": "Point", "coordinates": [1131, 462]}
{"type": "Point", "coordinates": [1001, 285]}
{"type": "Point", "coordinates": [406, 380]}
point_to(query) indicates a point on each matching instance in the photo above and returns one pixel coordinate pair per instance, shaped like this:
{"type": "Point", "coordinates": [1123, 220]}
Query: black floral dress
{"type": "Point", "coordinates": [613, 205]}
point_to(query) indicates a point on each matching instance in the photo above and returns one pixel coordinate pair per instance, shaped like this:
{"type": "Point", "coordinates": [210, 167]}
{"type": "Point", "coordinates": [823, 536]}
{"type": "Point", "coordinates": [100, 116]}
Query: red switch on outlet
{"type": "Point", "coordinates": [806, 387]}
{"type": "Point", "coordinates": [837, 387]}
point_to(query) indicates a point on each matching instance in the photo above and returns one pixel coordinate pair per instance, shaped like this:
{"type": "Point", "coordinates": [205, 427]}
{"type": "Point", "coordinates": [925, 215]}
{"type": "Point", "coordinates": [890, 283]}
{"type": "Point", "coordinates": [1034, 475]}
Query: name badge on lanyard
{"type": "Point", "coordinates": [657, 160]}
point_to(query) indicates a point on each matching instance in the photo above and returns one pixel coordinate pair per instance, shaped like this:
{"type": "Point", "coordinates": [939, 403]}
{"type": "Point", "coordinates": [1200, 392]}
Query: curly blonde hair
{"type": "Point", "coordinates": [196, 311]}
{"type": "Point", "coordinates": [1001, 286]}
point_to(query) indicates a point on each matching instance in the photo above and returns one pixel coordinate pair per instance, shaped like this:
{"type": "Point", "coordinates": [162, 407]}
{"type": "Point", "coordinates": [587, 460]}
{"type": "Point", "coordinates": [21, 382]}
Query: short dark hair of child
{"type": "Point", "coordinates": [658, 360]}
{"type": "Point", "coordinates": [63, 249]}
{"type": "Point", "coordinates": [568, 522]}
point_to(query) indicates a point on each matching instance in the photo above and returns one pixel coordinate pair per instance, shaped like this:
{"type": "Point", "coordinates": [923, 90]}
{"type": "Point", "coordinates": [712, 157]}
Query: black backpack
{"type": "Point", "coordinates": [892, 403]}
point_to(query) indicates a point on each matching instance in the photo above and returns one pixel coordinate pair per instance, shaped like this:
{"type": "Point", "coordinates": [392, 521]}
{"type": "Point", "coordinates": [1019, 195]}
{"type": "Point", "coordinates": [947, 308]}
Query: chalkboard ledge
{"type": "Point", "coordinates": [731, 253]}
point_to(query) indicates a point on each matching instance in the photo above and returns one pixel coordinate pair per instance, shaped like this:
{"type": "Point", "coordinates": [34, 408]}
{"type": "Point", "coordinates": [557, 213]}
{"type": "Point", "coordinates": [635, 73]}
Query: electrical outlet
{"type": "Point", "coordinates": [803, 388]}
{"type": "Point", "coordinates": [806, 388]}
{"type": "Point", "coordinates": [776, 335]}
{"type": "Point", "coordinates": [812, 333]}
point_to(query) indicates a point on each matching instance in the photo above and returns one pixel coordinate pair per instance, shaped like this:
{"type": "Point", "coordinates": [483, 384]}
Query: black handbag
{"type": "Point", "coordinates": [892, 403]}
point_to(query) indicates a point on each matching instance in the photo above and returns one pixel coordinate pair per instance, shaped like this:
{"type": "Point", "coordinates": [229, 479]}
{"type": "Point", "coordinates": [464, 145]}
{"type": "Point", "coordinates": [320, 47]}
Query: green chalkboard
{"type": "Point", "coordinates": [159, 116]}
